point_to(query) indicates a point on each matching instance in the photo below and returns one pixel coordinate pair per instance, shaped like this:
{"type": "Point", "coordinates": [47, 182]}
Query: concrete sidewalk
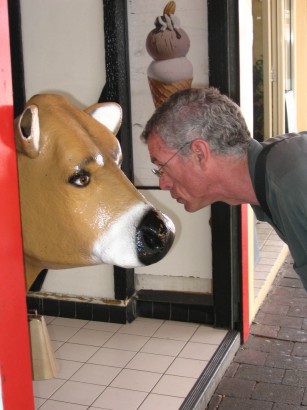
{"type": "Point", "coordinates": [269, 372]}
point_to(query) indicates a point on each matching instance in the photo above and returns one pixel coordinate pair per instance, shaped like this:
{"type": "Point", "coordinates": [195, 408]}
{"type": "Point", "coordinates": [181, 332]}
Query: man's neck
{"type": "Point", "coordinates": [235, 181]}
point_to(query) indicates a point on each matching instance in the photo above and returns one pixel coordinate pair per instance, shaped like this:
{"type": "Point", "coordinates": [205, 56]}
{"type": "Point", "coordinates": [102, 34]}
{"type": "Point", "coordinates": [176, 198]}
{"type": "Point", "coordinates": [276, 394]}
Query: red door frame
{"type": "Point", "coordinates": [245, 273]}
{"type": "Point", "coordinates": [16, 390]}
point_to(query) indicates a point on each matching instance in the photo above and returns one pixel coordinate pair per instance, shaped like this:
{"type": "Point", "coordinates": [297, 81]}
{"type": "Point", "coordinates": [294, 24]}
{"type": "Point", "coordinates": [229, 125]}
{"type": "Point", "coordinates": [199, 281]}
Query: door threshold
{"type": "Point", "coordinates": [203, 389]}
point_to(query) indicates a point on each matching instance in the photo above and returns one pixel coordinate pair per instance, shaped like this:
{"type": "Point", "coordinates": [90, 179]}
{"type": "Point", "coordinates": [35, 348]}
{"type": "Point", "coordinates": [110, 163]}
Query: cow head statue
{"type": "Point", "coordinates": [77, 206]}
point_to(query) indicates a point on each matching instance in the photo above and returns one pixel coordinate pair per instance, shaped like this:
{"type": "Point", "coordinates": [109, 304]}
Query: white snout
{"type": "Point", "coordinates": [117, 245]}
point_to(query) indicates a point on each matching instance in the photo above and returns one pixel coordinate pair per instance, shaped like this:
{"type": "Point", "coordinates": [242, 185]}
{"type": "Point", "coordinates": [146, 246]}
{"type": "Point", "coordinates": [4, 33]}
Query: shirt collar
{"type": "Point", "coordinates": [254, 150]}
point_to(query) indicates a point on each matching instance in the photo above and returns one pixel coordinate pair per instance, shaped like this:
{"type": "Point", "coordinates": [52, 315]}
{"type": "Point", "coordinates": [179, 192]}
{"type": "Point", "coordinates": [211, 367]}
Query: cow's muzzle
{"type": "Point", "coordinates": [154, 237]}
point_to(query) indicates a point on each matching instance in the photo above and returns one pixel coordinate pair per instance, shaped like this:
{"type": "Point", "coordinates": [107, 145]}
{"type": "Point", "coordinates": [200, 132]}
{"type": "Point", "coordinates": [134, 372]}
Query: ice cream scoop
{"type": "Point", "coordinates": [168, 45]}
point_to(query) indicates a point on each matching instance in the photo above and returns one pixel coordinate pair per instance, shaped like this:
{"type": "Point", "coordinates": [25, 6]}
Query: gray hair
{"type": "Point", "coordinates": [200, 113]}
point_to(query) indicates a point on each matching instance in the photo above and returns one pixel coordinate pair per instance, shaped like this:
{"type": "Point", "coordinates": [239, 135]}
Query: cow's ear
{"type": "Point", "coordinates": [109, 114]}
{"type": "Point", "coordinates": [27, 133]}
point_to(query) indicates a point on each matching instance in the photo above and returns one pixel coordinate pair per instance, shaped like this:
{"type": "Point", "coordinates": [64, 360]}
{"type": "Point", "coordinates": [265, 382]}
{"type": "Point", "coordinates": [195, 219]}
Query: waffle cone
{"type": "Point", "coordinates": [161, 91]}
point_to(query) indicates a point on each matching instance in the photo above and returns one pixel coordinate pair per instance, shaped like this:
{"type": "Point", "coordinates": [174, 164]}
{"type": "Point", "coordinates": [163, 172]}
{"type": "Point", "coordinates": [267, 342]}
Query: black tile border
{"type": "Point", "coordinates": [180, 306]}
{"type": "Point", "coordinates": [172, 311]}
{"type": "Point", "coordinates": [189, 298]}
{"type": "Point", "coordinates": [83, 310]}
{"type": "Point", "coordinates": [121, 314]}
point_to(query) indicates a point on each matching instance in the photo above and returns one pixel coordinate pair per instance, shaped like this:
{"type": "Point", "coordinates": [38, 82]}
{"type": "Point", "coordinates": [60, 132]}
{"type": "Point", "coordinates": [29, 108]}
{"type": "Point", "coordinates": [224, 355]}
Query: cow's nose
{"type": "Point", "coordinates": [154, 236]}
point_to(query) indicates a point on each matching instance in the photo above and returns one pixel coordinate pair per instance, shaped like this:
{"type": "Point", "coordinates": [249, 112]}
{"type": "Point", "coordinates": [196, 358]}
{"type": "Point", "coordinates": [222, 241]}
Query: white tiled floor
{"type": "Point", "coordinates": [271, 251]}
{"type": "Point", "coordinates": [149, 364]}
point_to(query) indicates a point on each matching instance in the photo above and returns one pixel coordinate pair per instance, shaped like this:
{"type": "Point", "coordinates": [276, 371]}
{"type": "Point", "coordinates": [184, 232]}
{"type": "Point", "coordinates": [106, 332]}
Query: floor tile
{"type": "Point", "coordinates": [58, 405]}
{"type": "Point", "coordinates": [45, 388]}
{"type": "Point", "coordinates": [266, 261]}
{"type": "Point", "coordinates": [174, 386]}
{"type": "Point", "coordinates": [56, 344]}
{"type": "Point", "coordinates": [273, 242]}
{"type": "Point", "coordinates": [150, 362]}
{"type": "Point", "coordinates": [105, 326]}
{"type": "Point", "coordinates": [91, 337]}
{"type": "Point", "coordinates": [136, 380]}
{"type": "Point", "coordinates": [157, 401]}
{"type": "Point", "coordinates": [187, 367]}
{"type": "Point", "coordinates": [269, 254]}
{"type": "Point", "coordinates": [150, 320]}
{"type": "Point", "coordinates": [72, 351]}
{"type": "Point", "coordinates": [198, 351]}
{"type": "Point", "coordinates": [66, 368]}
{"type": "Point", "coordinates": [49, 319]}
{"type": "Point", "coordinates": [126, 342]}
{"type": "Point", "coordinates": [119, 399]}
{"type": "Point", "coordinates": [64, 321]}
{"type": "Point", "coordinates": [38, 402]}
{"type": "Point", "coordinates": [96, 374]}
{"type": "Point", "coordinates": [112, 357]}
{"type": "Point", "coordinates": [78, 393]}
{"type": "Point", "coordinates": [140, 327]}
{"type": "Point", "coordinates": [276, 248]}
{"type": "Point", "coordinates": [262, 268]}
{"type": "Point", "coordinates": [262, 275]}
{"type": "Point", "coordinates": [210, 335]}
{"type": "Point", "coordinates": [61, 333]}
{"type": "Point", "coordinates": [174, 332]}
{"type": "Point", "coordinates": [163, 347]}
{"type": "Point", "coordinates": [176, 323]}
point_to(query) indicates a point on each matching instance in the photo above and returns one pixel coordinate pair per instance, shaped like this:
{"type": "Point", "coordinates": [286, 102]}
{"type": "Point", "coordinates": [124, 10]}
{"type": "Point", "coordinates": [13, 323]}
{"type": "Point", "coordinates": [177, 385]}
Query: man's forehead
{"type": "Point", "coordinates": [156, 146]}
{"type": "Point", "coordinates": [155, 141]}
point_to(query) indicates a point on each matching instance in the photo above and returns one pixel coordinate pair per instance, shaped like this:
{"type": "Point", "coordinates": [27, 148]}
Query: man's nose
{"type": "Point", "coordinates": [165, 182]}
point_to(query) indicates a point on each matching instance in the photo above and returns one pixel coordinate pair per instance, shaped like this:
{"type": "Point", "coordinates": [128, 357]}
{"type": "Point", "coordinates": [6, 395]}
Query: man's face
{"type": "Point", "coordinates": [183, 176]}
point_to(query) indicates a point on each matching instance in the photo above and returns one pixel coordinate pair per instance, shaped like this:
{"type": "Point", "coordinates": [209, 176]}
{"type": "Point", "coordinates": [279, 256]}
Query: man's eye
{"type": "Point", "coordinates": [81, 179]}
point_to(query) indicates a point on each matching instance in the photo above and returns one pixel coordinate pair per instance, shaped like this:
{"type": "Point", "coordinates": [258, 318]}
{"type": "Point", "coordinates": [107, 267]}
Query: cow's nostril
{"type": "Point", "coordinates": [151, 239]}
{"type": "Point", "coordinates": [154, 237]}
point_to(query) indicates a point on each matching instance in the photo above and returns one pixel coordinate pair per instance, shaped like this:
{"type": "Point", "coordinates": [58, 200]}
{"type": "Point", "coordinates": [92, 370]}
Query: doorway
{"type": "Point", "coordinates": [273, 62]}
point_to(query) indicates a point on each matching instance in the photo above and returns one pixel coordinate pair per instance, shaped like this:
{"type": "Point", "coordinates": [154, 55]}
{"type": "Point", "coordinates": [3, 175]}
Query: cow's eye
{"type": "Point", "coordinates": [80, 179]}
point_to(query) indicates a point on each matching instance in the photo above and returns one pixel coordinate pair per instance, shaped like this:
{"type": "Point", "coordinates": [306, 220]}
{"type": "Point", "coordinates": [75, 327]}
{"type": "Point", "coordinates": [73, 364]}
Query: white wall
{"type": "Point", "coordinates": [64, 48]}
{"type": "Point", "coordinates": [64, 53]}
{"type": "Point", "coordinates": [63, 45]}
{"type": "Point", "coordinates": [188, 266]}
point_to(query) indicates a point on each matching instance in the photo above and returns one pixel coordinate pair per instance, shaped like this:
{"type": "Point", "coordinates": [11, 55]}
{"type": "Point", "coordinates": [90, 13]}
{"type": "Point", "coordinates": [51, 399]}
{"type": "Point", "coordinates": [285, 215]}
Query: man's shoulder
{"type": "Point", "coordinates": [287, 146]}
{"type": "Point", "coordinates": [286, 160]}
{"type": "Point", "coordinates": [290, 138]}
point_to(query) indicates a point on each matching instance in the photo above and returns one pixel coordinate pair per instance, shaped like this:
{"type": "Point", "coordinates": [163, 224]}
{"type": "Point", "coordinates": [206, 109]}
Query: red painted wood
{"type": "Point", "coordinates": [245, 278]}
{"type": "Point", "coordinates": [15, 363]}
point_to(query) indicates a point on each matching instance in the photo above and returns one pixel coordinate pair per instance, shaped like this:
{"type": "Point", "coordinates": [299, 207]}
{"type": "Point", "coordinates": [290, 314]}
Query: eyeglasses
{"type": "Point", "coordinates": [159, 172]}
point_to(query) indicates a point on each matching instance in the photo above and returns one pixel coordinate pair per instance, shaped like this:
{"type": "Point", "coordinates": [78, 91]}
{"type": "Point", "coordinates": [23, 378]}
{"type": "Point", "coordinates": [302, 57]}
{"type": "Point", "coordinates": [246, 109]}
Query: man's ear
{"type": "Point", "coordinates": [201, 151]}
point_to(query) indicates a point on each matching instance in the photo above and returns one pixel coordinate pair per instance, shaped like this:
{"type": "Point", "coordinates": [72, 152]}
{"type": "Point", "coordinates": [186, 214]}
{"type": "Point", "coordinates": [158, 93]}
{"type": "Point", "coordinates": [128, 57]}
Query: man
{"type": "Point", "coordinates": [199, 141]}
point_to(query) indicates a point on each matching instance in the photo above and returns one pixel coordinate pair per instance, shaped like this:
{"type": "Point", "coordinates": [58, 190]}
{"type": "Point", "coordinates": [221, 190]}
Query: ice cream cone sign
{"type": "Point", "coordinates": [168, 45]}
